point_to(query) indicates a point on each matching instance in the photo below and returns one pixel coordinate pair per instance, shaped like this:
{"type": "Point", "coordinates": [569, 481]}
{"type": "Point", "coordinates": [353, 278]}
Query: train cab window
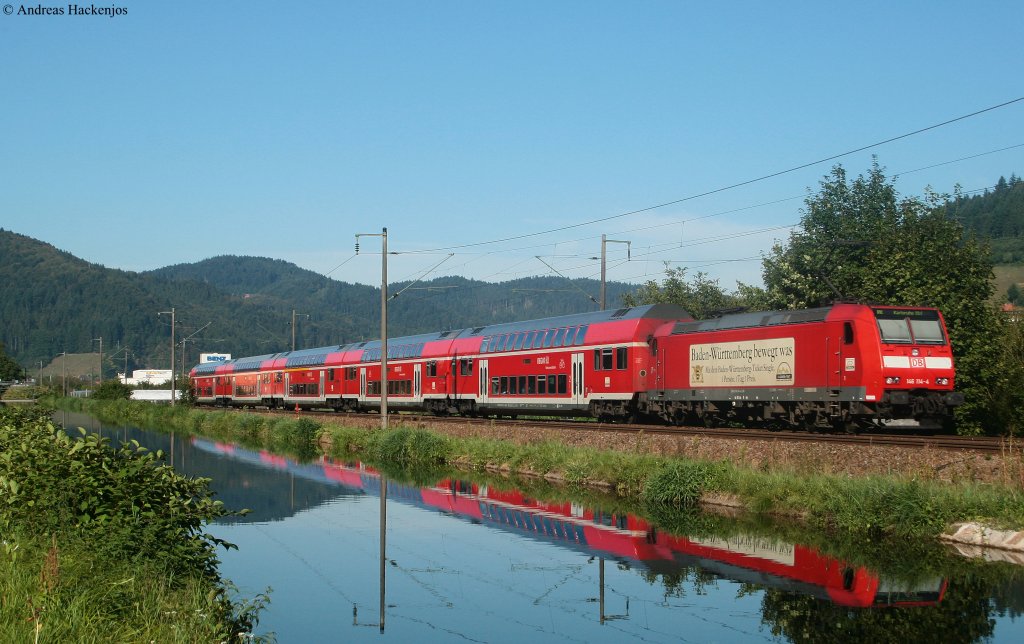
{"type": "Point", "coordinates": [580, 333]}
{"type": "Point", "coordinates": [561, 383]}
{"type": "Point", "coordinates": [621, 359]}
{"type": "Point", "coordinates": [894, 331]}
{"type": "Point", "coordinates": [432, 368]}
{"type": "Point", "coordinates": [549, 335]}
{"type": "Point", "coordinates": [927, 332]}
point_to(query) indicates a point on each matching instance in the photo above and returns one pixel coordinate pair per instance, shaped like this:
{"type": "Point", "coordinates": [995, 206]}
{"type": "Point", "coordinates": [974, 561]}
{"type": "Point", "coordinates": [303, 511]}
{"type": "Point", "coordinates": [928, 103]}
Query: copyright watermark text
{"type": "Point", "coordinates": [112, 11]}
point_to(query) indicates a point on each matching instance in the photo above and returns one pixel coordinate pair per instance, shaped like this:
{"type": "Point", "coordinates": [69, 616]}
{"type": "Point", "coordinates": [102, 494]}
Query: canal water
{"type": "Point", "coordinates": [471, 562]}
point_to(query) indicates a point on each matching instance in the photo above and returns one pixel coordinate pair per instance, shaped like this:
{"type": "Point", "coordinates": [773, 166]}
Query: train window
{"type": "Point", "coordinates": [504, 385]}
{"type": "Point", "coordinates": [559, 338]}
{"type": "Point", "coordinates": [330, 374]}
{"type": "Point", "coordinates": [466, 367]}
{"type": "Point", "coordinates": [432, 368]}
{"type": "Point", "coordinates": [492, 344]}
{"type": "Point", "coordinates": [278, 378]}
{"type": "Point", "coordinates": [522, 384]}
{"type": "Point", "coordinates": [603, 359]}
{"type": "Point", "coordinates": [549, 335]}
{"type": "Point", "coordinates": [531, 384]}
{"type": "Point", "coordinates": [551, 385]}
{"type": "Point", "coordinates": [927, 332]}
{"type": "Point", "coordinates": [847, 332]}
{"type": "Point", "coordinates": [510, 341]}
{"type": "Point", "coordinates": [621, 358]}
{"type": "Point", "coordinates": [519, 340]}
{"type": "Point", "coordinates": [894, 331]}
{"type": "Point", "coordinates": [495, 385]}
{"type": "Point", "coordinates": [542, 385]}
{"type": "Point", "coordinates": [580, 334]}
{"type": "Point", "coordinates": [561, 383]}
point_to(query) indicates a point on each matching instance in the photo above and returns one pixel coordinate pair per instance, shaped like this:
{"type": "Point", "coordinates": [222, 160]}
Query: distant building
{"type": "Point", "coordinates": [1013, 313]}
{"type": "Point", "coordinates": [213, 357]}
{"type": "Point", "coordinates": [152, 395]}
{"type": "Point", "coordinates": [146, 376]}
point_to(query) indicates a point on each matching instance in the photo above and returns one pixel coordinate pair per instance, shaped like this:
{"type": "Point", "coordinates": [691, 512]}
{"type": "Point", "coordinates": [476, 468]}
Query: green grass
{"type": "Point", "coordinates": [63, 592]}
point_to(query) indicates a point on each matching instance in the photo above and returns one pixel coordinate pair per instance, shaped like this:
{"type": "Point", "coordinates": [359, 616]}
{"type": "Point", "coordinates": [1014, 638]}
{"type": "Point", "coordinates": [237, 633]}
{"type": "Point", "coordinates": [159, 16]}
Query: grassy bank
{"type": "Point", "coordinates": [105, 544]}
{"type": "Point", "coordinates": [870, 507]}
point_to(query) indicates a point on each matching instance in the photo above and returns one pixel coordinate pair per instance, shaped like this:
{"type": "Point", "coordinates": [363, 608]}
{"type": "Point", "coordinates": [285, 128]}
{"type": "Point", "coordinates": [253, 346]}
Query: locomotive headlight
{"type": "Point", "coordinates": [915, 352]}
{"type": "Point", "coordinates": [888, 380]}
{"type": "Point", "coordinates": [942, 381]}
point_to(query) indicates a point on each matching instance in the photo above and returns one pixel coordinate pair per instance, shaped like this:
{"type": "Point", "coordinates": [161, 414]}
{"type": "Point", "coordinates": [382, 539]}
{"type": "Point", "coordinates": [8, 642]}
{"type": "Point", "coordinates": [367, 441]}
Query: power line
{"type": "Point", "coordinates": [738, 184]}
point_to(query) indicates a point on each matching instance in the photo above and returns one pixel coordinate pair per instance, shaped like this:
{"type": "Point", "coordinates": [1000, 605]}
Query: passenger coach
{"type": "Point", "coordinates": [590, 363]}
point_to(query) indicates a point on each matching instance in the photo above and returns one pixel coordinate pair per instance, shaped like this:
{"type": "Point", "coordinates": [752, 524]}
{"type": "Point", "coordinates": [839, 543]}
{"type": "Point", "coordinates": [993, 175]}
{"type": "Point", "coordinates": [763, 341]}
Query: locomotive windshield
{"type": "Point", "coordinates": [910, 326]}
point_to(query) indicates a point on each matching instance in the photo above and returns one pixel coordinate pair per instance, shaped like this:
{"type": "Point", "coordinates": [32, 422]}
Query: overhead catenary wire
{"type": "Point", "coordinates": [737, 184]}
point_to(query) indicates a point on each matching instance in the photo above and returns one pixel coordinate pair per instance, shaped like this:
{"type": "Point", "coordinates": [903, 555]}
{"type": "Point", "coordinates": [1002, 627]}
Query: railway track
{"type": "Point", "coordinates": [989, 444]}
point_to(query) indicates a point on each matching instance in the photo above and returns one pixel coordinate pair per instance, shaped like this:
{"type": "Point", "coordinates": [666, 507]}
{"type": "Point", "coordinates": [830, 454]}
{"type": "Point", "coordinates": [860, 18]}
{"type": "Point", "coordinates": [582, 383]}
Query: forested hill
{"type": "Point", "coordinates": [996, 214]}
{"type": "Point", "coordinates": [52, 301]}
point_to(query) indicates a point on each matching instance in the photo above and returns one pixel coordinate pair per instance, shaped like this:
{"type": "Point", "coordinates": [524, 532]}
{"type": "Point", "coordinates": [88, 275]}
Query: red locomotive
{"type": "Point", "coordinates": [844, 366]}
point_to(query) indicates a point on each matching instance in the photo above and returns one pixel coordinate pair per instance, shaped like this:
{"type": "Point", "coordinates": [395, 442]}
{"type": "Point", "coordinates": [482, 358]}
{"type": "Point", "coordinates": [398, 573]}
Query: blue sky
{"type": "Point", "coordinates": [185, 130]}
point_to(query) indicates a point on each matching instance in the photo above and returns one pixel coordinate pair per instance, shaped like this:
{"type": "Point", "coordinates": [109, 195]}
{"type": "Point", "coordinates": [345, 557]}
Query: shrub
{"type": "Point", "coordinates": [112, 390]}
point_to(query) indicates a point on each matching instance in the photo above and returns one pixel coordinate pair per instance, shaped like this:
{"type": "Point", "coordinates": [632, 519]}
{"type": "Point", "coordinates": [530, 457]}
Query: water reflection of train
{"type": "Point", "coordinates": [624, 537]}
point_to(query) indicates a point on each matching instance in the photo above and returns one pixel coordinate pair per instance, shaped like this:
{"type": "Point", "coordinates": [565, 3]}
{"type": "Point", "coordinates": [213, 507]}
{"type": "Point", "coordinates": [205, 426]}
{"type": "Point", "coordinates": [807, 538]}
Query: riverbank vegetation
{"type": "Point", "coordinates": [105, 544]}
{"type": "Point", "coordinates": [870, 507]}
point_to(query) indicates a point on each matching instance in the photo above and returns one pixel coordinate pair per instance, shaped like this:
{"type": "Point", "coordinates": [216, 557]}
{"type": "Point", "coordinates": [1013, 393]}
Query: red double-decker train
{"type": "Point", "coordinates": [842, 366]}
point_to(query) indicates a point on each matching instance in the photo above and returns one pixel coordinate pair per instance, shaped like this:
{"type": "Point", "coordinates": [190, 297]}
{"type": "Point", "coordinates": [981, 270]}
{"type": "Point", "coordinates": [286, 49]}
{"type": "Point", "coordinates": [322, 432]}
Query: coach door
{"type": "Point", "coordinates": [579, 393]}
{"type": "Point", "coordinates": [417, 382]}
{"type": "Point", "coordinates": [362, 384]}
{"type": "Point", "coordinates": [483, 383]}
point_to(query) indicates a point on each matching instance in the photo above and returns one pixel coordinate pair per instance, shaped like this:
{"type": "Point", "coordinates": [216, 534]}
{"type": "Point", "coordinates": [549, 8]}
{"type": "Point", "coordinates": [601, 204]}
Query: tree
{"type": "Point", "coordinates": [1013, 295]}
{"type": "Point", "coordinates": [9, 369]}
{"type": "Point", "coordinates": [112, 390]}
{"type": "Point", "coordinates": [702, 297]}
{"type": "Point", "coordinates": [858, 239]}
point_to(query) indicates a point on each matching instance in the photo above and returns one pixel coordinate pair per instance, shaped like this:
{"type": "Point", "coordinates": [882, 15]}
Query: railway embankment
{"type": "Point", "coordinates": [859, 490]}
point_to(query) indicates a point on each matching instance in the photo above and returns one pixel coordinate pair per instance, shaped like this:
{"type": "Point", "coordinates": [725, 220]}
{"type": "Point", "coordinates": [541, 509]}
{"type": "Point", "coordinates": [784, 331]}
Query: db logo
{"type": "Point", "coordinates": [917, 363]}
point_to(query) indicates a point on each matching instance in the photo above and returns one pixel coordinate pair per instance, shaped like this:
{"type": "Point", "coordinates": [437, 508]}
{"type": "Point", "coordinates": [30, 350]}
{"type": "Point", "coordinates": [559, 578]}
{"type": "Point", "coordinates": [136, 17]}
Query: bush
{"type": "Point", "coordinates": [112, 390]}
{"type": "Point", "coordinates": [132, 506]}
